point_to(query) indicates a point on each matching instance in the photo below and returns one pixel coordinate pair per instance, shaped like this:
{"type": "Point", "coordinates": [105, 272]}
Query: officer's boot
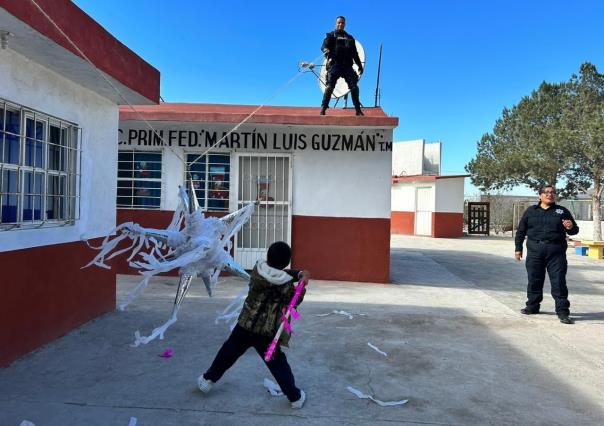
{"type": "Point", "coordinates": [355, 100]}
{"type": "Point", "coordinates": [326, 98]}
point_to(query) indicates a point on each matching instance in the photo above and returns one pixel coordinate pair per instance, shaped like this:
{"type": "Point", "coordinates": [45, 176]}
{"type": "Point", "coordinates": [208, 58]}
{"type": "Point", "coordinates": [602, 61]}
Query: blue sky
{"type": "Point", "coordinates": [448, 67]}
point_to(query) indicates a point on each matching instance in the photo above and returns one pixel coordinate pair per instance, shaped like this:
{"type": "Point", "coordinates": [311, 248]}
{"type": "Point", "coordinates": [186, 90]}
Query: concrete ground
{"type": "Point", "coordinates": [457, 349]}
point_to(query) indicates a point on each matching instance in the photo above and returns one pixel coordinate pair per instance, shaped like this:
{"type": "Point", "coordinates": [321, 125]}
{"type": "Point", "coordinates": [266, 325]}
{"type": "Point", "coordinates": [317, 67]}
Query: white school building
{"type": "Point", "coordinates": [323, 182]}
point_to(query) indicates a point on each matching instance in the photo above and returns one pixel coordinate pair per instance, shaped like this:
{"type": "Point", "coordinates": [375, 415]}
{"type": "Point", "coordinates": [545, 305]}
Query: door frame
{"type": "Point", "coordinates": [247, 256]}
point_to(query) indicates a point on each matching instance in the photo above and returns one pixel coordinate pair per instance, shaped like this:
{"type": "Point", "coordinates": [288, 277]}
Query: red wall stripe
{"type": "Point", "coordinates": [341, 248]}
{"type": "Point", "coordinates": [45, 294]}
{"type": "Point", "coordinates": [332, 248]}
{"type": "Point", "coordinates": [402, 223]}
{"type": "Point", "coordinates": [447, 225]}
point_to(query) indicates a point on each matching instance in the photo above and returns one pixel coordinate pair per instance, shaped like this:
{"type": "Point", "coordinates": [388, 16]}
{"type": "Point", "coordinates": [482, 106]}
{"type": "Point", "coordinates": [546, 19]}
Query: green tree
{"type": "Point", "coordinates": [554, 136]}
{"type": "Point", "coordinates": [584, 122]}
{"type": "Point", "coordinates": [525, 146]}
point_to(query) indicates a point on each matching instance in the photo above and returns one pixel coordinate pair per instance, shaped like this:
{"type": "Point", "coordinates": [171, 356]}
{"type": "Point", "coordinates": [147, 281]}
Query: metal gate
{"type": "Point", "coordinates": [265, 178]}
{"type": "Point", "coordinates": [479, 218]}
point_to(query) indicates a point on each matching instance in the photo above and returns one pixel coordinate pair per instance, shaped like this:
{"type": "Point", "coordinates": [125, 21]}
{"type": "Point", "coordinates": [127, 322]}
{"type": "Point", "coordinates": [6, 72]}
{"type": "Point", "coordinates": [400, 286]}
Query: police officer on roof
{"type": "Point", "coordinates": [340, 50]}
{"type": "Point", "coordinates": [546, 225]}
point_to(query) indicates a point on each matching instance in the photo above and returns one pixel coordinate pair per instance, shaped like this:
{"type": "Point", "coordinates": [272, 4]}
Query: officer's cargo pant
{"type": "Point", "coordinates": [550, 256]}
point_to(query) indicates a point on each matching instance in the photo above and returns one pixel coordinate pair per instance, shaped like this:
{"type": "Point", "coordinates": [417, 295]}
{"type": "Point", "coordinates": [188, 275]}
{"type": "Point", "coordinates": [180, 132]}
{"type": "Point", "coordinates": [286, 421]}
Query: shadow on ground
{"type": "Point", "coordinates": [453, 367]}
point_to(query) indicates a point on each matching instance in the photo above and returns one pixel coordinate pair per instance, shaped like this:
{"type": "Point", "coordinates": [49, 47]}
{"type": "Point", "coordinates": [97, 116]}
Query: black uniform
{"type": "Point", "coordinates": [342, 53]}
{"type": "Point", "coordinates": [546, 250]}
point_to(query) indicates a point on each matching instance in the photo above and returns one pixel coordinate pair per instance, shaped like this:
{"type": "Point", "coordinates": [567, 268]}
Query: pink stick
{"type": "Point", "coordinates": [268, 355]}
{"type": "Point", "coordinates": [285, 323]}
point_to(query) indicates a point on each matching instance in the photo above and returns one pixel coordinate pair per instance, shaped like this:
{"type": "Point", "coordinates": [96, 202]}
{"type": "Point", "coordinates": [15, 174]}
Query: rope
{"type": "Point", "coordinates": [277, 93]}
{"type": "Point", "coordinates": [83, 55]}
{"type": "Point", "coordinates": [103, 76]}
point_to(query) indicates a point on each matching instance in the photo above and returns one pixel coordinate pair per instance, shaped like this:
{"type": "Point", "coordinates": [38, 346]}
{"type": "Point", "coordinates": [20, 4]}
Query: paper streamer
{"type": "Point", "coordinates": [272, 387]}
{"type": "Point", "coordinates": [376, 349]}
{"type": "Point", "coordinates": [361, 395]}
{"type": "Point", "coordinates": [132, 421]}
{"type": "Point", "coordinates": [346, 314]}
{"type": "Point", "coordinates": [195, 245]}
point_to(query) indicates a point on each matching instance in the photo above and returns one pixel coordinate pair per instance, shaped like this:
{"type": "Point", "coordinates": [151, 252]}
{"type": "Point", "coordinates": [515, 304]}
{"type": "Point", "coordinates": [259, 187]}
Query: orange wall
{"type": "Point", "coordinates": [402, 223]}
{"type": "Point", "coordinates": [343, 249]}
{"type": "Point", "coordinates": [45, 294]}
{"type": "Point", "coordinates": [447, 225]}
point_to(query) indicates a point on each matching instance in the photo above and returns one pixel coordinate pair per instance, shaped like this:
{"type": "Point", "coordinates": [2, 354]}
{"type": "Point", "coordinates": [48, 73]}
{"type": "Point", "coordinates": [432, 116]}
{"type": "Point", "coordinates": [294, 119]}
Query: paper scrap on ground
{"type": "Point", "coordinates": [361, 395]}
{"type": "Point", "coordinates": [347, 314]}
{"type": "Point", "coordinates": [376, 349]}
{"type": "Point", "coordinates": [132, 421]}
{"type": "Point", "coordinates": [272, 387]}
{"type": "Point", "coordinates": [27, 423]}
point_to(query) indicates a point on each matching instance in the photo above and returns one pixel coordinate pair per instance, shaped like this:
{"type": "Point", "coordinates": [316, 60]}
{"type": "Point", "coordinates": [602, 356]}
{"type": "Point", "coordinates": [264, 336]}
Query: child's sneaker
{"type": "Point", "coordinates": [204, 385]}
{"type": "Point", "coordinates": [300, 402]}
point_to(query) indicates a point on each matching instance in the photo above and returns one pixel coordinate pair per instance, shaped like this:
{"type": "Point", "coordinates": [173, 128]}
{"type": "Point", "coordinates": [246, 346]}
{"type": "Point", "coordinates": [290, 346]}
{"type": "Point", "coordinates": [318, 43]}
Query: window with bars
{"type": "Point", "coordinates": [139, 179]}
{"type": "Point", "coordinates": [39, 175]}
{"type": "Point", "coordinates": [211, 176]}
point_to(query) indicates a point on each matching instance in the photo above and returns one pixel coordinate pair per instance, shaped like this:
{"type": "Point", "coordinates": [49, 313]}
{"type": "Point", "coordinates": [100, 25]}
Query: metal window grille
{"type": "Point", "coordinates": [266, 178]}
{"type": "Point", "coordinates": [139, 175]}
{"type": "Point", "coordinates": [40, 158]}
{"type": "Point", "coordinates": [211, 176]}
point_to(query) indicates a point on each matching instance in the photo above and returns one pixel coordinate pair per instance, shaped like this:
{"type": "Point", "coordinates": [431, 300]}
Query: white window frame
{"type": "Point", "coordinates": [69, 150]}
{"type": "Point", "coordinates": [134, 179]}
{"type": "Point", "coordinates": [204, 201]}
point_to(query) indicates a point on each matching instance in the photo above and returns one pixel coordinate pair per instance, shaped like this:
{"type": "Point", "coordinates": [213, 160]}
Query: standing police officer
{"type": "Point", "coordinates": [340, 50]}
{"type": "Point", "coordinates": [546, 225]}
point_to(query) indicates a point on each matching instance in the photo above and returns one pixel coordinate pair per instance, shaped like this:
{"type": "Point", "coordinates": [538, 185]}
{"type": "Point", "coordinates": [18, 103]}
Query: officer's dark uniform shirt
{"type": "Point", "coordinates": [342, 48]}
{"type": "Point", "coordinates": [544, 225]}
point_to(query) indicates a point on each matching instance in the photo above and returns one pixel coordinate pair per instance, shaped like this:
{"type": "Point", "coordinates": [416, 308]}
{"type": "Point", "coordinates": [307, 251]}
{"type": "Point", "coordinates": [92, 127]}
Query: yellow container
{"type": "Point", "coordinates": [596, 249]}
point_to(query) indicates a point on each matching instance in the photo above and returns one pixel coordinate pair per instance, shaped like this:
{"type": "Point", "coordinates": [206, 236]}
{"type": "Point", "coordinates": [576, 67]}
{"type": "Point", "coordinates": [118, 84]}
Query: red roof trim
{"type": "Point", "coordinates": [423, 178]}
{"type": "Point", "coordinates": [222, 113]}
{"type": "Point", "coordinates": [106, 52]}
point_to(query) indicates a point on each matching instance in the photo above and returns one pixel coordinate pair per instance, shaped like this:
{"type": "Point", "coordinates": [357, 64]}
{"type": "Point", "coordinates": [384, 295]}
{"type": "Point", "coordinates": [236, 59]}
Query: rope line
{"type": "Point", "coordinates": [109, 82]}
{"type": "Point", "coordinates": [277, 93]}
{"type": "Point", "coordinates": [142, 118]}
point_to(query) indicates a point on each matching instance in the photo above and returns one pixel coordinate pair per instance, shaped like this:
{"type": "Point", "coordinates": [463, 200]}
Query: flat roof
{"type": "Point", "coordinates": [224, 113]}
{"type": "Point", "coordinates": [137, 80]}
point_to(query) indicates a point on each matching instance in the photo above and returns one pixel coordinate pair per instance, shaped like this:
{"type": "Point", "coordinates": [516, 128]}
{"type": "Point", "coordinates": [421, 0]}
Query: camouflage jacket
{"type": "Point", "coordinates": [268, 296]}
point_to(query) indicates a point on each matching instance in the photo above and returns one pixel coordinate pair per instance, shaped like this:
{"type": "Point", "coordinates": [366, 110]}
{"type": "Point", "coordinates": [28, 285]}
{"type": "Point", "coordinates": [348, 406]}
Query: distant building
{"type": "Point", "coordinates": [423, 201]}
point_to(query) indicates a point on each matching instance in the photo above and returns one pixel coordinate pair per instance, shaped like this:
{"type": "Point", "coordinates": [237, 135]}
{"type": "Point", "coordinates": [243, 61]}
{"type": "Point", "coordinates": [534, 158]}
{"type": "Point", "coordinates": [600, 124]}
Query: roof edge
{"type": "Point", "coordinates": [106, 52]}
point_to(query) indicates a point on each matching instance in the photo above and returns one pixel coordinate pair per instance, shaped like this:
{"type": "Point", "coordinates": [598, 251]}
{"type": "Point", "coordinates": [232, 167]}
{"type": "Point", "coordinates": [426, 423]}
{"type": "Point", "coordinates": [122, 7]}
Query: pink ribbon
{"type": "Point", "coordinates": [167, 353]}
{"type": "Point", "coordinates": [285, 324]}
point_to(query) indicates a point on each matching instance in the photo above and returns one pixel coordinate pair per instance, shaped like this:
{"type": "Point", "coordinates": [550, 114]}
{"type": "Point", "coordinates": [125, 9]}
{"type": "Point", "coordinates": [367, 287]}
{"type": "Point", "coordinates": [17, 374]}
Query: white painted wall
{"type": "Point", "coordinates": [27, 83]}
{"type": "Point", "coordinates": [450, 195]}
{"type": "Point", "coordinates": [403, 197]}
{"type": "Point", "coordinates": [586, 230]}
{"type": "Point", "coordinates": [325, 183]}
{"type": "Point", "coordinates": [342, 185]}
{"type": "Point", "coordinates": [408, 158]}
{"type": "Point", "coordinates": [432, 154]}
